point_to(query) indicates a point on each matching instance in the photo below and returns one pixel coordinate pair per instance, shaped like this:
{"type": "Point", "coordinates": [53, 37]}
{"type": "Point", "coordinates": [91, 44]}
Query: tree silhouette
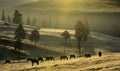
{"type": "Point", "coordinates": [66, 36]}
{"type": "Point", "coordinates": [17, 19]}
{"type": "Point", "coordinates": [9, 19]}
{"type": "Point", "coordinates": [28, 21]}
{"type": "Point", "coordinates": [35, 36]}
{"type": "Point", "coordinates": [44, 24]}
{"type": "Point", "coordinates": [3, 18]}
{"type": "Point", "coordinates": [80, 34]}
{"type": "Point", "coordinates": [20, 33]}
{"type": "Point", "coordinates": [34, 22]}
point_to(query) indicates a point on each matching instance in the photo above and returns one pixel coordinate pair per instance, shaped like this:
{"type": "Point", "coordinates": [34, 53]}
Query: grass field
{"type": "Point", "coordinates": [52, 44]}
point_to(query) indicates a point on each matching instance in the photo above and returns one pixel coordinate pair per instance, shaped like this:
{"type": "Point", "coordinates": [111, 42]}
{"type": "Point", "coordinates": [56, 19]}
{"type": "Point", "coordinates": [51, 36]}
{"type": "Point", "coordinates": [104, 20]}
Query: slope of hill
{"type": "Point", "coordinates": [52, 44]}
{"type": "Point", "coordinates": [108, 62]}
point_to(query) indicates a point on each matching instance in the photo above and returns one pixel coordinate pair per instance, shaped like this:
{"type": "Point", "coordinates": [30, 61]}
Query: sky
{"type": "Point", "coordinates": [10, 3]}
{"type": "Point", "coordinates": [83, 5]}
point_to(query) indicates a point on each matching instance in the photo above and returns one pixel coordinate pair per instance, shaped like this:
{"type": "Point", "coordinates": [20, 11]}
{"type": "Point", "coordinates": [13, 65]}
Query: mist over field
{"type": "Point", "coordinates": [99, 13]}
{"type": "Point", "coordinates": [51, 28]}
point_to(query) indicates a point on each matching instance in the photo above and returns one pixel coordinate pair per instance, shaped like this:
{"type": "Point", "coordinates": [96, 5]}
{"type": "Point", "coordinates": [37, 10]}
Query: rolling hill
{"type": "Point", "coordinates": [52, 44]}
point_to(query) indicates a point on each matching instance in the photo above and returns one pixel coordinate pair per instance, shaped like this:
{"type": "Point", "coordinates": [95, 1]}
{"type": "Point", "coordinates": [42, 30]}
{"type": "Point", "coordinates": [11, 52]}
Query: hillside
{"type": "Point", "coordinates": [108, 62]}
{"type": "Point", "coordinates": [52, 44]}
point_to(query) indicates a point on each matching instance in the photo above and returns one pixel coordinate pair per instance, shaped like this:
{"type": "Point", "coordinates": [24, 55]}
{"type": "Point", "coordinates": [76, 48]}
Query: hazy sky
{"type": "Point", "coordinates": [83, 5]}
{"type": "Point", "coordinates": [9, 3]}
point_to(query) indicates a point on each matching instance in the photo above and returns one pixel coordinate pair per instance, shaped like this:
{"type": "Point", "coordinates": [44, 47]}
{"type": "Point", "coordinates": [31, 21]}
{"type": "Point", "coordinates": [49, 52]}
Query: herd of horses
{"type": "Point", "coordinates": [42, 59]}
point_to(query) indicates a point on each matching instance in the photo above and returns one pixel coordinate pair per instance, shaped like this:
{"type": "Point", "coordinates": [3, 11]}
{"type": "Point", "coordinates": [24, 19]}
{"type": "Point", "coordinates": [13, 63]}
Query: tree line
{"type": "Point", "coordinates": [17, 18]}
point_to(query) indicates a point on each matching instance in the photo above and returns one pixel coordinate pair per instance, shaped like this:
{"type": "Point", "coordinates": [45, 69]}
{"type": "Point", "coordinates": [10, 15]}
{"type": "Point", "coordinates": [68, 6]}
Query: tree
{"type": "Point", "coordinates": [20, 33]}
{"type": "Point", "coordinates": [35, 36]}
{"type": "Point", "coordinates": [9, 19]}
{"type": "Point", "coordinates": [17, 19]}
{"type": "Point", "coordinates": [28, 21]}
{"type": "Point", "coordinates": [34, 22]}
{"type": "Point", "coordinates": [44, 24]}
{"type": "Point", "coordinates": [66, 36]}
{"type": "Point", "coordinates": [3, 18]}
{"type": "Point", "coordinates": [80, 34]}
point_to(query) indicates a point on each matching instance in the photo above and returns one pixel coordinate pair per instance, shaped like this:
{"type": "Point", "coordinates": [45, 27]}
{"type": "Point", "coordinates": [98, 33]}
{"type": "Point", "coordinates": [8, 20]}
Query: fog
{"type": "Point", "coordinates": [101, 15]}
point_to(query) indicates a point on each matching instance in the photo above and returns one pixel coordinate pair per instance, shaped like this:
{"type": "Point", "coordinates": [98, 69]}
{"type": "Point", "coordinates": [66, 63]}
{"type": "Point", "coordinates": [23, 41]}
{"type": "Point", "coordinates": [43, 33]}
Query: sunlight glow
{"type": "Point", "coordinates": [65, 4]}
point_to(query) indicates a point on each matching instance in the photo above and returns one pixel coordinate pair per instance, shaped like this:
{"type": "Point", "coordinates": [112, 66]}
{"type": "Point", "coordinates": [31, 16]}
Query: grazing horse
{"type": "Point", "coordinates": [40, 59]}
{"type": "Point", "coordinates": [88, 55]}
{"type": "Point", "coordinates": [35, 61]}
{"type": "Point", "coordinates": [49, 59]}
{"type": "Point", "coordinates": [99, 54]}
{"type": "Point", "coordinates": [72, 56]}
{"type": "Point", "coordinates": [29, 59]}
{"type": "Point", "coordinates": [7, 61]}
{"type": "Point", "coordinates": [63, 57]}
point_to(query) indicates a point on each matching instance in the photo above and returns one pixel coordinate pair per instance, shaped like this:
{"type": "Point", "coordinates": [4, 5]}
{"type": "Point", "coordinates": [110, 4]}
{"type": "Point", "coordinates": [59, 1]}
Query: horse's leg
{"type": "Point", "coordinates": [37, 62]}
{"type": "Point", "coordinates": [32, 63]}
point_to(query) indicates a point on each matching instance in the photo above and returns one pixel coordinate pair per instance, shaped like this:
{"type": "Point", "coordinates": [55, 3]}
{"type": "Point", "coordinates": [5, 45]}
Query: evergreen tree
{"type": "Point", "coordinates": [20, 33]}
{"type": "Point", "coordinates": [9, 19]}
{"type": "Point", "coordinates": [17, 19]}
{"type": "Point", "coordinates": [28, 21]}
{"type": "Point", "coordinates": [35, 36]}
{"type": "Point", "coordinates": [3, 18]}
{"type": "Point", "coordinates": [44, 24]}
{"type": "Point", "coordinates": [34, 22]}
{"type": "Point", "coordinates": [80, 34]}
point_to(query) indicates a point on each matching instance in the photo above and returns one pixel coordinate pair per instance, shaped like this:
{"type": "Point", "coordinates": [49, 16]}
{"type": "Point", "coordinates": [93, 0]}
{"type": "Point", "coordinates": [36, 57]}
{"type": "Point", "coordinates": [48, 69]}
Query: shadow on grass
{"type": "Point", "coordinates": [30, 49]}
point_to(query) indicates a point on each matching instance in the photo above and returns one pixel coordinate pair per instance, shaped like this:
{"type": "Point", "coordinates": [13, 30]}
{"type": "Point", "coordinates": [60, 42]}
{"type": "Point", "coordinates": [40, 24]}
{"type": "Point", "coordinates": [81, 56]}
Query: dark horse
{"type": "Point", "coordinates": [7, 61]}
{"type": "Point", "coordinates": [33, 60]}
{"type": "Point", "coordinates": [49, 58]}
{"type": "Point", "coordinates": [100, 54]}
{"type": "Point", "coordinates": [40, 59]}
{"type": "Point", "coordinates": [63, 57]}
{"type": "Point", "coordinates": [72, 56]}
{"type": "Point", "coordinates": [88, 55]}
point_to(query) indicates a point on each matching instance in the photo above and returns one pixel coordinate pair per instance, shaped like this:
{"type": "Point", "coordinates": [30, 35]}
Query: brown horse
{"type": "Point", "coordinates": [63, 57]}
{"type": "Point", "coordinates": [72, 56]}
{"type": "Point", "coordinates": [33, 60]}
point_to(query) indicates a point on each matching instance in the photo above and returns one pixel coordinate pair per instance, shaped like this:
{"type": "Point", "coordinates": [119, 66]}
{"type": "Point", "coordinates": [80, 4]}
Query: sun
{"type": "Point", "coordinates": [66, 3]}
